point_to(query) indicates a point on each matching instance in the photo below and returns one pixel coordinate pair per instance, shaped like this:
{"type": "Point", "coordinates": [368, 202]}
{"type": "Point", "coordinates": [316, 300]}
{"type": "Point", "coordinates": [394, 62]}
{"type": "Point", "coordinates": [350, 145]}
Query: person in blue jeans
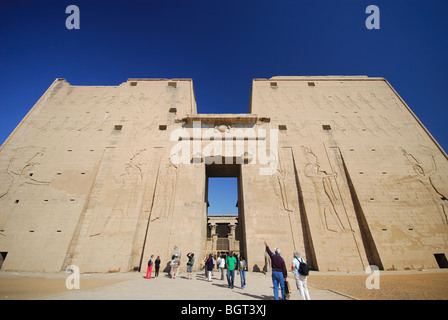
{"type": "Point", "coordinates": [230, 264]}
{"type": "Point", "coordinates": [279, 272]}
{"type": "Point", "coordinates": [242, 267]}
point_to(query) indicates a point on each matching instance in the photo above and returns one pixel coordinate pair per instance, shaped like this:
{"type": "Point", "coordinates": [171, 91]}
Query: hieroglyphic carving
{"type": "Point", "coordinates": [329, 102]}
{"type": "Point", "coordinates": [365, 127]}
{"type": "Point", "coordinates": [390, 127]}
{"type": "Point", "coordinates": [352, 103]}
{"type": "Point", "coordinates": [365, 101]}
{"type": "Point", "coordinates": [376, 126]}
{"type": "Point", "coordinates": [317, 103]}
{"type": "Point", "coordinates": [341, 102]}
{"type": "Point", "coordinates": [387, 103]}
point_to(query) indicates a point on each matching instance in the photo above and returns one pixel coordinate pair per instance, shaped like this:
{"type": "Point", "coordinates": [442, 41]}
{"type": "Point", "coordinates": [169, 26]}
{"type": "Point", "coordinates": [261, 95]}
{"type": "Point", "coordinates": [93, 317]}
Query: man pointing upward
{"type": "Point", "coordinates": [279, 273]}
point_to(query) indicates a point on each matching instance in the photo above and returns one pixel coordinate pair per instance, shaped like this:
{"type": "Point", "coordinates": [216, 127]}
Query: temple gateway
{"type": "Point", "coordinates": [337, 167]}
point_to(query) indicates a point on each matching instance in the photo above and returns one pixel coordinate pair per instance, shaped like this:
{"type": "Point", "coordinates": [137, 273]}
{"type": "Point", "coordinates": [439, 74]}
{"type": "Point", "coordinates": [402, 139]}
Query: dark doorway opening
{"type": "Point", "coordinates": [441, 260]}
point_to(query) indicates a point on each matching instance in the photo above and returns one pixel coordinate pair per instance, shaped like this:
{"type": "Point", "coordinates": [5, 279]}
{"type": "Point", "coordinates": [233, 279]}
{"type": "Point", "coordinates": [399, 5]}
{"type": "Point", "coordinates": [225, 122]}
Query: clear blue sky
{"type": "Point", "coordinates": [222, 196]}
{"type": "Point", "coordinates": [222, 45]}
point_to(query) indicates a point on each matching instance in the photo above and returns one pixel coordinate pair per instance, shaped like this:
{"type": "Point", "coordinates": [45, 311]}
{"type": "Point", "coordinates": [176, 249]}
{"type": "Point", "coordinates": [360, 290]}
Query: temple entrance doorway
{"type": "Point", "coordinates": [225, 210]}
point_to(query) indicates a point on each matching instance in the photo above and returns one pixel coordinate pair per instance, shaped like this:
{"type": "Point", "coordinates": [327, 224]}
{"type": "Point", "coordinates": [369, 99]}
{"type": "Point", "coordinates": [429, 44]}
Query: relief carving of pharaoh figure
{"type": "Point", "coordinates": [425, 167]}
{"type": "Point", "coordinates": [329, 217]}
{"type": "Point", "coordinates": [20, 171]}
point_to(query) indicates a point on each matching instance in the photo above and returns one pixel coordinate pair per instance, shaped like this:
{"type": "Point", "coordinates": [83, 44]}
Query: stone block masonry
{"type": "Point", "coordinates": [337, 167]}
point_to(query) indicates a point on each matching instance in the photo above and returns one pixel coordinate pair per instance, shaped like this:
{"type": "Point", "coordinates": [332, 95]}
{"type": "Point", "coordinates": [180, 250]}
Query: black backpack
{"type": "Point", "coordinates": [303, 268]}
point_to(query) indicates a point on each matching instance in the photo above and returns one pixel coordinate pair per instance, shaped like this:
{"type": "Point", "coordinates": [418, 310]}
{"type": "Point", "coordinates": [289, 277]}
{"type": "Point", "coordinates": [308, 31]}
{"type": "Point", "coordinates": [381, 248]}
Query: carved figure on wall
{"type": "Point", "coordinates": [376, 126]}
{"type": "Point", "coordinates": [352, 103]}
{"type": "Point", "coordinates": [340, 102]}
{"type": "Point", "coordinates": [129, 181]}
{"type": "Point", "coordinates": [364, 100]}
{"type": "Point", "coordinates": [281, 182]}
{"type": "Point", "coordinates": [20, 172]}
{"type": "Point", "coordinates": [387, 102]}
{"type": "Point", "coordinates": [390, 127]}
{"type": "Point", "coordinates": [426, 171]}
{"type": "Point", "coordinates": [316, 102]}
{"type": "Point", "coordinates": [267, 263]}
{"type": "Point", "coordinates": [177, 251]}
{"type": "Point", "coordinates": [349, 125]}
{"type": "Point", "coordinates": [166, 186]}
{"type": "Point", "coordinates": [325, 195]}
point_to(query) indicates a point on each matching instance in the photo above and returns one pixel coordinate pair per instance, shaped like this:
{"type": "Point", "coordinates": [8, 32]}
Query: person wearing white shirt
{"type": "Point", "coordinates": [222, 265]}
{"type": "Point", "coordinates": [300, 279]}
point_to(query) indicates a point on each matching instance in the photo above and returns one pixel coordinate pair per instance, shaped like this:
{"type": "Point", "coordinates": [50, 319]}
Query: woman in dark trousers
{"type": "Point", "coordinates": [157, 266]}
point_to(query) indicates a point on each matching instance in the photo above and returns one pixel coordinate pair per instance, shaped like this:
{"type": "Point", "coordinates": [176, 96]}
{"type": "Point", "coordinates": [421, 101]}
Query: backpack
{"type": "Point", "coordinates": [303, 268]}
{"type": "Point", "coordinates": [149, 262]}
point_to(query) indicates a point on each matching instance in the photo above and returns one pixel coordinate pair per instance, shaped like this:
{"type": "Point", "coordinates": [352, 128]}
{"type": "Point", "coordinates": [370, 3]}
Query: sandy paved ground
{"type": "Point", "coordinates": [408, 286]}
{"type": "Point", "coordinates": [393, 285]}
{"type": "Point", "coordinates": [26, 285]}
{"type": "Point", "coordinates": [32, 288]}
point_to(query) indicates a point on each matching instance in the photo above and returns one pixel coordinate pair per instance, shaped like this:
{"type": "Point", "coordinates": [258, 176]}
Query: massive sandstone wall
{"type": "Point", "coordinates": [338, 168]}
{"type": "Point", "coordinates": [78, 176]}
{"type": "Point", "coordinates": [372, 183]}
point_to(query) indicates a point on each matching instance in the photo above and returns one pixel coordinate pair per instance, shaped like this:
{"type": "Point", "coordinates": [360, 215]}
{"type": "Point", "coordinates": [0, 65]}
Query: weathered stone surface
{"type": "Point", "coordinates": [338, 168]}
